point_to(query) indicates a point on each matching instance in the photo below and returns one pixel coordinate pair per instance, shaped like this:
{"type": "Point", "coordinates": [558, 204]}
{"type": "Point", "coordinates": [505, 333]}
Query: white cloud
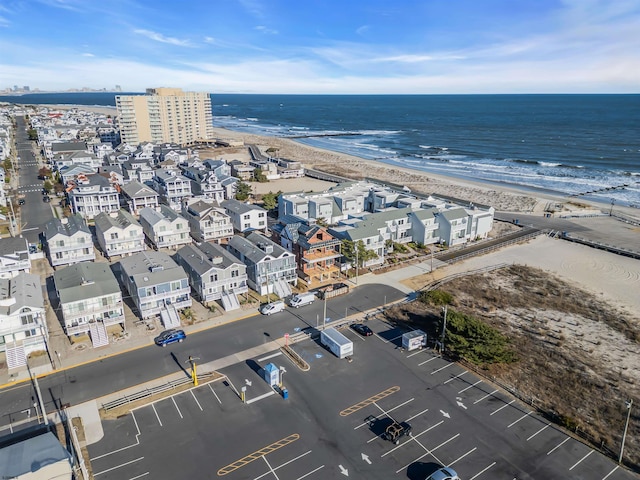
{"type": "Point", "coordinates": [4, 22]}
{"type": "Point", "coordinates": [88, 55]}
{"type": "Point", "coordinates": [263, 29]}
{"type": "Point", "coordinates": [362, 30]}
{"type": "Point", "coordinates": [158, 37]}
{"type": "Point", "coordinates": [63, 4]}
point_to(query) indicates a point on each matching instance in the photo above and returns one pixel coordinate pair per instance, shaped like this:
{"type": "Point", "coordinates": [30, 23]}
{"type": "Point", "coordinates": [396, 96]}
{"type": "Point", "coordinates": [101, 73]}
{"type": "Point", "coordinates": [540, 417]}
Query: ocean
{"type": "Point", "coordinates": [582, 145]}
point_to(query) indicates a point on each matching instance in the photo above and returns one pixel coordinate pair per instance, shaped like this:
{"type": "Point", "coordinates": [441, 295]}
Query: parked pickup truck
{"type": "Point", "coordinates": [333, 290]}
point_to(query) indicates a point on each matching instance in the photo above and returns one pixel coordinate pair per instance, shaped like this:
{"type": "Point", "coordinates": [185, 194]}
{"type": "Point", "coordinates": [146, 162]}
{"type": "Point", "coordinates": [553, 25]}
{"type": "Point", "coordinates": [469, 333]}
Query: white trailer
{"type": "Point", "coordinates": [339, 345]}
{"type": "Point", "coordinates": [413, 340]}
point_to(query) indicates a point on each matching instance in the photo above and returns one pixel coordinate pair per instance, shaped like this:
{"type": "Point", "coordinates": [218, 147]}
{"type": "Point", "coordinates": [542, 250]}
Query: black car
{"type": "Point", "coordinates": [46, 199]}
{"type": "Point", "coordinates": [21, 201]}
{"type": "Point", "coordinates": [362, 329]}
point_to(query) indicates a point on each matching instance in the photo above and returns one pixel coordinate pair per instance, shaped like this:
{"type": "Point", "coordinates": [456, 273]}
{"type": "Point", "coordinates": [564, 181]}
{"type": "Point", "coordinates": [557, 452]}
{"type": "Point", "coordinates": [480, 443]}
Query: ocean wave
{"type": "Point", "coordinates": [252, 119]}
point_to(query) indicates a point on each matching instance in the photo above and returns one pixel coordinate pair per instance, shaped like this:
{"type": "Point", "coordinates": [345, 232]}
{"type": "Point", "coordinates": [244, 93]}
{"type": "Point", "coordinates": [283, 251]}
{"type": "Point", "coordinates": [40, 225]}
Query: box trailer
{"type": "Point", "coordinates": [414, 339]}
{"type": "Point", "coordinates": [333, 290]}
{"type": "Point", "coordinates": [339, 345]}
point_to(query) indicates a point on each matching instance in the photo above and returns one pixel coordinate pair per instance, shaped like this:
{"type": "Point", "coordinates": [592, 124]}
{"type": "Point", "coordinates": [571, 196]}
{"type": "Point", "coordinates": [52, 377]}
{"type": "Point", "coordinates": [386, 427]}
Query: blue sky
{"type": "Point", "coordinates": [323, 46]}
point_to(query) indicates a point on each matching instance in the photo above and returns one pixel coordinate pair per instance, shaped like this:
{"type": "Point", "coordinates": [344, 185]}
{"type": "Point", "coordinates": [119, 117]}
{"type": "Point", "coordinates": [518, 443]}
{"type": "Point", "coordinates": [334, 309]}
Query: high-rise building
{"type": "Point", "coordinates": [165, 115]}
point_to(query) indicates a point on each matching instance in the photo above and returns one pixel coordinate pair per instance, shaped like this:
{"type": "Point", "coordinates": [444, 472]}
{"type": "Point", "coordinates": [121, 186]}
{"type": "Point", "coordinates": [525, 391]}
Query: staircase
{"type": "Point", "coordinates": [16, 356]}
{"type": "Point", "coordinates": [282, 288]}
{"type": "Point", "coordinates": [98, 333]}
{"type": "Point", "coordinates": [230, 301]}
{"type": "Point", "coordinates": [170, 317]}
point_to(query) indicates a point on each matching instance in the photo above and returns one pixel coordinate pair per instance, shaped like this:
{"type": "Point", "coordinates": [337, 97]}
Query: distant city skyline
{"type": "Point", "coordinates": [259, 46]}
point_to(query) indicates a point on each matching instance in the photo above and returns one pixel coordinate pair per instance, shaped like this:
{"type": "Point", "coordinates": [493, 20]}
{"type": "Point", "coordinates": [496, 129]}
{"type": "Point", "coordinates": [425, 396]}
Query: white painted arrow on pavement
{"type": "Point", "coordinates": [366, 458]}
{"type": "Point", "coordinates": [343, 471]}
{"type": "Point", "coordinates": [445, 414]}
{"type": "Point", "coordinates": [460, 404]}
{"type": "Point", "coordinates": [247, 381]}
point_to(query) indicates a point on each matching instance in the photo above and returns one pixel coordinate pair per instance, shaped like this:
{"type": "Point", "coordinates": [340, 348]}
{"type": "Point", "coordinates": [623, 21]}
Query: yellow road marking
{"type": "Point", "coordinates": [368, 401]}
{"type": "Point", "coordinates": [258, 454]}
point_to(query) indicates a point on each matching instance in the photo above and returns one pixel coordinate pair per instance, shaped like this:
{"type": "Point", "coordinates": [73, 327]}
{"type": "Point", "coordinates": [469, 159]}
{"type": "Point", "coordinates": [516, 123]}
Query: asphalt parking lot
{"type": "Point", "coordinates": [331, 424]}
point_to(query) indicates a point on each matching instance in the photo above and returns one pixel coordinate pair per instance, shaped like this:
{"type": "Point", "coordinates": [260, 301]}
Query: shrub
{"type": "Point", "coordinates": [436, 297]}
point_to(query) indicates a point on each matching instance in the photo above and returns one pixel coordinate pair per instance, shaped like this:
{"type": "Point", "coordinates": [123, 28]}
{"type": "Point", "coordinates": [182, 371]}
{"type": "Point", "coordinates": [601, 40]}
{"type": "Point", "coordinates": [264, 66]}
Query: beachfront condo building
{"type": "Point", "coordinates": [165, 115]}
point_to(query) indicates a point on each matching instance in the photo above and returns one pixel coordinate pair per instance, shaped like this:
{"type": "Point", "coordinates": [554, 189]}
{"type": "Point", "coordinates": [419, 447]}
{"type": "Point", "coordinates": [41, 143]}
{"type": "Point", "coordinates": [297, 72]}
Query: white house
{"type": "Point", "coordinates": [165, 228]}
{"type": "Point", "coordinates": [91, 194]}
{"type": "Point", "coordinates": [245, 217]}
{"type": "Point", "coordinates": [68, 242]}
{"type": "Point", "coordinates": [138, 196]}
{"type": "Point", "coordinates": [207, 222]}
{"type": "Point", "coordinates": [119, 234]}
{"type": "Point", "coordinates": [14, 257]}
{"type": "Point", "coordinates": [173, 188]}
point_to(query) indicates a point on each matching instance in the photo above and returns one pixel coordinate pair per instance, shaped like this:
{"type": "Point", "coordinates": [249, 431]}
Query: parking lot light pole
{"type": "Point", "coordinates": [629, 404]}
{"type": "Point", "coordinates": [194, 374]}
{"type": "Point", "coordinates": [444, 328]}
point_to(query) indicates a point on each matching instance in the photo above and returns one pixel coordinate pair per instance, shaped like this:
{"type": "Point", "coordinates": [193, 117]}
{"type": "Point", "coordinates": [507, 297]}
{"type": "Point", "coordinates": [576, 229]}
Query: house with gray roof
{"type": "Point", "coordinates": [14, 257]}
{"type": "Point", "coordinates": [453, 225]}
{"type": "Point", "coordinates": [72, 172]}
{"type": "Point", "coordinates": [424, 226]}
{"type": "Point", "coordinates": [119, 234]}
{"type": "Point", "coordinates": [90, 300]}
{"type": "Point", "coordinates": [270, 267]}
{"type": "Point", "coordinates": [23, 325]}
{"type": "Point", "coordinates": [68, 242]}
{"type": "Point", "coordinates": [245, 217]}
{"type": "Point", "coordinates": [138, 196]}
{"type": "Point", "coordinates": [205, 185]}
{"type": "Point", "coordinates": [214, 274]}
{"type": "Point", "coordinates": [91, 194]}
{"type": "Point", "coordinates": [172, 187]}
{"type": "Point", "coordinates": [207, 222]}
{"type": "Point", "coordinates": [155, 282]}
{"type": "Point", "coordinates": [136, 169]}
{"type": "Point", "coordinates": [164, 227]}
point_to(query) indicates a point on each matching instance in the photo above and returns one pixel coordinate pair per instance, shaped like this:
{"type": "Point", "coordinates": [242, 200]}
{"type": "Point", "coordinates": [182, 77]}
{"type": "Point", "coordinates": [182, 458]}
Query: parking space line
{"type": "Point", "coordinates": [580, 461]}
{"type": "Point", "coordinates": [386, 412]}
{"type": "Point", "coordinates": [482, 471]}
{"type": "Point", "coordinates": [521, 418]}
{"type": "Point", "coordinates": [157, 416]}
{"type": "Point", "coordinates": [232, 467]}
{"type": "Point", "coordinates": [369, 401]}
{"type": "Point", "coordinates": [311, 472]}
{"type": "Point", "coordinates": [487, 395]}
{"type": "Point", "coordinates": [128, 446]}
{"type": "Point", "coordinates": [428, 452]}
{"type": "Point", "coordinates": [504, 406]}
{"type": "Point", "coordinates": [270, 468]}
{"type": "Point", "coordinates": [174, 402]}
{"type": "Point", "coordinates": [462, 456]}
{"type": "Point", "coordinates": [273, 355]}
{"type": "Point", "coordinates": [558, 446]}
{"type": "Point", "coordinates": [422, 350]}
{"type": "Point", "coordinates": [539, 431]}
{"type": "Point", "coordinates": [213, 391]}
{"type": "Point", "coordinates": [285, 464]}
{"type": "Point", "coordinates": [609, 474]}
{"type": "Point", "coordinates": [417, 415]}
{"type": "Point", "coordinates": [260, 397]}
{"type": "Point", "coordinates": [457, 376]}
{"type": "Point", "coordinates": [442, 368]}
{"type": "Point", "coordinates": [139, 476]}
{"type": "Point", "coordinates": [390, 340]}
{"type": "Point", "coordinates": [118, 466]}
{"type": "Point", "coordinates": [430, 360]}
{"type": "Point", "coordinates": [470, 386]}
{"type": "Point", "coordinates": [194, 397]}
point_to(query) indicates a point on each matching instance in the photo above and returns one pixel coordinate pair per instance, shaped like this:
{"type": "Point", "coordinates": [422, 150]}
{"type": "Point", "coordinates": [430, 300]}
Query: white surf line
{"type": "Point", "coordinates": [270, 468]}
{"type": "Point", "coordinates": [441, 368]}
{"type": "Point", "coordinates": [139, 476]}
{"type": "Point", "coordinates": [457, 376]}
{"type": "Point", "coordinates": [277, 354]}
{"type": "Point", "coordinates": [118, 466]}
{"type": "Point", "coordinates": [482, 471]}
{"type": "Point", "coordinates": [504, 406]}
{"type": "Point", "coordinates": [462, 456]}
{"type": "Point", "coordinates": [311, 472]}
{"type": "Point", "coordinates": [128, 446]}
{"type": "Point", "coordinates": [422, 350]}
{"type": "Point", "coordinates": [611, 472]}
{"type": "Point", "coordinates": [194, 397]}
{"type": "Point", "coordinates": [580, 461]}
{"type": "Point", "coordinates": [470, 386]}
{"type": "Point", "coordinates": [260, 397]}
{"type": "Point", "coordinates": [428, 452]}
{"type": "Point", "coordinates": [427, 361]}
{"type": "Point", "coordinates": [385, 412]}
{"type": "Point", "coordinates": [539, 431]}
{"type": "Point", "coordinates": [558, 446]}
{"type": "Point", "coordinates": [487, 395]}
{"type": "Point", "coordinates": [284, 464]}
{"type": "Point", "coordinates": [214, 393]}
{"type": "Point", "coordinates": [157, 416]}
{"type": "Point", "coordinates": [174, 402]}
{"type": "Point", "coordinates": [521, 418]}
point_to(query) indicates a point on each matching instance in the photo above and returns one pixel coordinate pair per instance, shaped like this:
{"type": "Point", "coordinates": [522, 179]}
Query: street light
{"type": "Point", "coordinates": [626, 426]}
{"type": "Point", "coordinates": [194, 374]}
{"type": "Point", "coordinates": [282, 372]}
{"type": "Point", "coordinates": [444, 328]}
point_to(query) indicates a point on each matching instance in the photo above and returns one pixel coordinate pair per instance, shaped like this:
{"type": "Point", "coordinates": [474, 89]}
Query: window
{"type": "Point", "coordinates": [85, 251]}
{"type": "Point", "coordinates": [58, 255]}
{"type": "Point", "coordinates": [114, 236]}
{"type": "Point", "coordinates": [234, 273]}
{"type": "Point", "coordinates": [60, 243]}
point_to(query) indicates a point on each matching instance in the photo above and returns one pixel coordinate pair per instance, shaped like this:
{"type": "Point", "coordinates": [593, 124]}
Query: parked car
{"type": "Point", "coordinates": [21, 201]}
{"type": "Point", "coordinates": [362, 329]}
{"type": "Point", "coordinates": [46, 199]}
{"type": "Point", "coordinates": [444, 473]}
{"type": "Point", "coordinates": [274, 307]}
{"type": "Point", "coordinates": [395, 431]}
{"type": "Point", "coordinates": [170, 336]}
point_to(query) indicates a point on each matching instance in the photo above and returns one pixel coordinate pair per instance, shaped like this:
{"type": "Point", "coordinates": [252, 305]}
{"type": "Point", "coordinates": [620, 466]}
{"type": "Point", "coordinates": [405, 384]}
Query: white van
{"type": "Point", "coordinates": [302, 299]}
{"type": "Point", "coordinates": [274, 307]}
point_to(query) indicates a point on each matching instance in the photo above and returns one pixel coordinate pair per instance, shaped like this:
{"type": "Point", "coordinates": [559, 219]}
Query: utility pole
{"type": "Point", "coordinates": [39, 394]}
{"type": "Point", "coordinates": [444, 329]}
{"type": "Point", "coordinates": [356, 244]}
{"type": "Point", "coordinates": [194, 374]}
{"type": "Point", "coordinates": [324, 310]}
{"type": "Point", "coordinates": [629, 404]}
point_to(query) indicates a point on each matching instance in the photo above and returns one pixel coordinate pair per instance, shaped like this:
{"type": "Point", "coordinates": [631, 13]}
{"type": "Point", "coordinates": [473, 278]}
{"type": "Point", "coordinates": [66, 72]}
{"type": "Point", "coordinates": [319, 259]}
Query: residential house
{"type": "Point", "coordinates": [424, 226]}
{"type": "Point", "coordinates": [76, 158]}
{"type": "Point", "coordinates": [70, 173]}
{"type": "Point", "coordinates": [91, 194]}
{"type": "Point", "coordinates": [68, 242]}
{"type": "Point", "coordinates": [219, 167]}
{"type": "Point", "coordinates": [241, 170]}
{"type": "Point", "coordinates": [270, 267]}
{"type": "Point", "coordinates": [244, 216]}
{"type": "Point", "coordinates": [155, 283]}
{"type": "Point", "coordinates": [23, 325]}
{"type": "Point", "coordinates": [165, 228]}
{"type": "Point", "coordinates": [120, 234]}
{"type": "Point", "coordinates": [14, 257]}
{"type": "Point", "coordinates": [90, 300]}
{"type": "Point", "coordinates": [56, 148]}
{"type": "Point", "coordinates": [207, 222]}
{"type": "Point", "coordinates": [137, 196]}
{"type": "Point", "coordinates": [204, 184]}
{"type": "Point", "coordinates": [173, 188]}
{"type": "Point", "coordinates": [138, 170]}
{"type": "Point", "coordinates": [453, 226]}
{"type": "Point", "coordinates": [214, 274]}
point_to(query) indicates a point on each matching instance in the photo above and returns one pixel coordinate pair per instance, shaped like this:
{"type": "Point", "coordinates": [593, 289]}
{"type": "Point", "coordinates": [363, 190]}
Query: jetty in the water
{"type": "Point", "coordinates": [603, 189]}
